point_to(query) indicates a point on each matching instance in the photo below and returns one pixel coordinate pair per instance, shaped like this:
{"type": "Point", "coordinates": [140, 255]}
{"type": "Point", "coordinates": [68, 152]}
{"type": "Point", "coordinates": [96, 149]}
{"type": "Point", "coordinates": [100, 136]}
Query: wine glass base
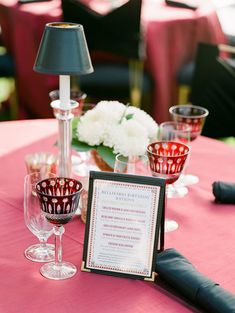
{"type": "Point", "coordinates": [176, 191]}
{"type": "Point", "coordinates": [170, 225]}
{"type": "Point", "coordinates": [60, 271]}
{"type": "Point", "coordinates": [188, 179]}
{"type": "Point", "coordinates": [40, 253]}
{"type": "Point", "coordinates": [81, 166]}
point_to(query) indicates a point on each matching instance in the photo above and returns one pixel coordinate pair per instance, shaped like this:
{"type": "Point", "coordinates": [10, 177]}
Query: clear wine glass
{"type": "Point", "coordinates": [137, 165]}
{"type": "Point", "coordinates": [59, 198]}
{"type": "Point", "coordinates": [166, 160]}
{"type": "Point", "coordinates": [179, 132]}
{"type": "Point", "coordinates": [195, 117]}
{"type": "Point", "coordinates": [36, 222]}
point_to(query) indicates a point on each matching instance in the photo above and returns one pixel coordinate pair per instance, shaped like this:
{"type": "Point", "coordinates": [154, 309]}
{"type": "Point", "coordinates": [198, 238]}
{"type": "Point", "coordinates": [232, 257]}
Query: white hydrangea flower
{"type": "Point", "coordinates": [91, 128]}
{"type": "Point", "coordinates": [106, 124]}
{"type": "Point", "coordinates": [130, 138]}
{"type": "Point", "coordinates": [144, 119]}
{"type": "Point", "coordinates": [112, 110]}
{"type": "Point", "coordinates": [108, 139]}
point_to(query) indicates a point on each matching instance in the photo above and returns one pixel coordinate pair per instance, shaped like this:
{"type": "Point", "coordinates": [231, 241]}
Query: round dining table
{"type": "Point", "coordinates": [205, 235]}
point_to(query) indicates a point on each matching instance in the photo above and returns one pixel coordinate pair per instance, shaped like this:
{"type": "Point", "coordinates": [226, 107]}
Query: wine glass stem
{"type": "Point", "coordinates": [42, 242]}
{"type": "Point", "coordinates": [58, 231]}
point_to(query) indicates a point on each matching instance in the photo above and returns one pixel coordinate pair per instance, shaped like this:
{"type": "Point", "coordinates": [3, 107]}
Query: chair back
{"type": "Point", "coordinates": [213, 87]}
{"type": "Point", "coordinates": [114, 38]}
{"type": "Point", "coordinates": [117, 32]}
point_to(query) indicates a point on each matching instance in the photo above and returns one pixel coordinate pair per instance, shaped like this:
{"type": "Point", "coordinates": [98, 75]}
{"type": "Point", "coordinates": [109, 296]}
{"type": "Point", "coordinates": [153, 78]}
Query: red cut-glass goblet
{"type": "Point", "coordinates": [166, 160]}
{"type": "Point", "coordinates": [58, 198]}
{"type": "Point", "coordinates": [177, 132]}
{"type": "Point", "coordinates": [195, 117]}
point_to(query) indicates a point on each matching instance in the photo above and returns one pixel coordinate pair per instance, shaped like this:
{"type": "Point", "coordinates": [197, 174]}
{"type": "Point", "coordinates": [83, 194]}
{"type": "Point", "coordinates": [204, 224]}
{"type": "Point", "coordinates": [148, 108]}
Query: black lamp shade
{"type": "Point", "coordinates": [63, 50]}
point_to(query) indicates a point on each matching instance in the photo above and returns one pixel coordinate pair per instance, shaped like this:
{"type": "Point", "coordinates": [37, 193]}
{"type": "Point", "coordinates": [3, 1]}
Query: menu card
{"type": "Point", "coordinates": [123, 222]}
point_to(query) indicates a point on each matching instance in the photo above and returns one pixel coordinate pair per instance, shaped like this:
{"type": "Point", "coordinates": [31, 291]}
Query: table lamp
{"type": "Point", "coordinates": [63, 51]}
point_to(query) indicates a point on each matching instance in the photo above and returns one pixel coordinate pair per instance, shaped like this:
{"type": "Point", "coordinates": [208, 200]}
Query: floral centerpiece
{"type": "Point", "coordinates": [111, 128]}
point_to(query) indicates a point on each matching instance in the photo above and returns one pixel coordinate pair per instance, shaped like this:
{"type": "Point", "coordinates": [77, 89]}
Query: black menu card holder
{"type": "Point", "coordinates": [124, 225]}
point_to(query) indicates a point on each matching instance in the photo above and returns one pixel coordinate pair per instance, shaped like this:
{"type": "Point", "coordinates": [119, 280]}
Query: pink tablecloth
{"type": "Point", "coordinates": [171, 36]}
{"type": "Point", "coordinates": [205, 236]}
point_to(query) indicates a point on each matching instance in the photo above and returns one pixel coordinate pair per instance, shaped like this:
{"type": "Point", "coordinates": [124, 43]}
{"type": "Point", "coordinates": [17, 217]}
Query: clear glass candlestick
{"type": "Point", "coordinates": [64, 117]}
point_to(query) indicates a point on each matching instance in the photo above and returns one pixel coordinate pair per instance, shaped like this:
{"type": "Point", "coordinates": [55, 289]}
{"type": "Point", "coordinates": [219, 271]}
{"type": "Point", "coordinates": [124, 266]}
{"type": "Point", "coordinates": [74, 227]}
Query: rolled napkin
{"type": "Point", "coordinates": [179, 273]}
{"type": "Point", "coordinates": [187, 4]}
{"type": "Point", "coordinates": [224, 192]}
{"type": "Point", "coordinates": [31, 1]}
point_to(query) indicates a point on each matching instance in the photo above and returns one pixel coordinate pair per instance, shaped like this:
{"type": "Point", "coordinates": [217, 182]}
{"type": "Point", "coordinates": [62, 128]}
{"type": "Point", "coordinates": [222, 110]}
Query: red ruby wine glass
{"type": "Point", "coordinates": [58, 199]}
{"type": "Point", "coordinates": [195, 117]}
{"type": "Point", "coordinates": [177, 132]}
{"type": "Point", "coordinates": [166, 160]}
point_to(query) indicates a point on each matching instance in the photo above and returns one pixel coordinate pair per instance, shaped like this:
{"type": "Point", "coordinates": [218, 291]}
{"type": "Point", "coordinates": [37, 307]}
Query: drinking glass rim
{"type": "Point", "coordinates": [168, 156]}
{"type": "Point", "coordinates": [58, 196]}
{"type": "Point", "coordinates": [130, 158]}
{"type": "Point", "coordinates": [189, 106]}
{"type": "Point", "coordinates": [78, 94]}
{"type": "Point", "coordinates": [187, 127]}
{"type": "Point", "coordinates": [52, 156]}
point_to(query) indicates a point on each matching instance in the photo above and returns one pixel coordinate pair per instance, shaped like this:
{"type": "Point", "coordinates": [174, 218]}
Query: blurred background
{"type": "Point", "coordinates": [151, 53]}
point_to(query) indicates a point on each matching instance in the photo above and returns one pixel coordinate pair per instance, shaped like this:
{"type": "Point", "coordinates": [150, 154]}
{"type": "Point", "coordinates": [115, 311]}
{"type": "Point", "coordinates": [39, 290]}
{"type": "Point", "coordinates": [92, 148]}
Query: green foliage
{"type": "Point", "coordinates": [81, 146]}
{"type": "Point", "coordinates": [74, 126]}
{"type": "Point", "coordinates": [129, 116]}
{"type": "Point", "coordinates": [107, 155]}
{"type": "Point", "coordinates": [229, 140]}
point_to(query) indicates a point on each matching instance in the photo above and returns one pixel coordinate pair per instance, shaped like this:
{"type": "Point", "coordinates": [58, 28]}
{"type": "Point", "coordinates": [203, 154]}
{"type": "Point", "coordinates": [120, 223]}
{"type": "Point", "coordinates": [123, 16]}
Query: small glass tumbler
{"type": "Point", "coordinates": [43, 162]}
{"type": "Point", "coordinates": [136, 165]}
{"type": "Point", "coordinates": [75, 95]}
{"type": "Point", "coordinates": [193, 115]}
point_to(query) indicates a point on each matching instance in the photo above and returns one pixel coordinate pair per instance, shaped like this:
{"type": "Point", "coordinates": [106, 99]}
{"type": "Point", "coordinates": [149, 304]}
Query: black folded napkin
{"type": "Point", "coordinates": [31, 1]}
{"type": "Point", "coordinates": [179, 273]}
{"type": "Point", "coordinates": [187, 4]}
{"type": "Point", "coordinates": [224, 192]}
